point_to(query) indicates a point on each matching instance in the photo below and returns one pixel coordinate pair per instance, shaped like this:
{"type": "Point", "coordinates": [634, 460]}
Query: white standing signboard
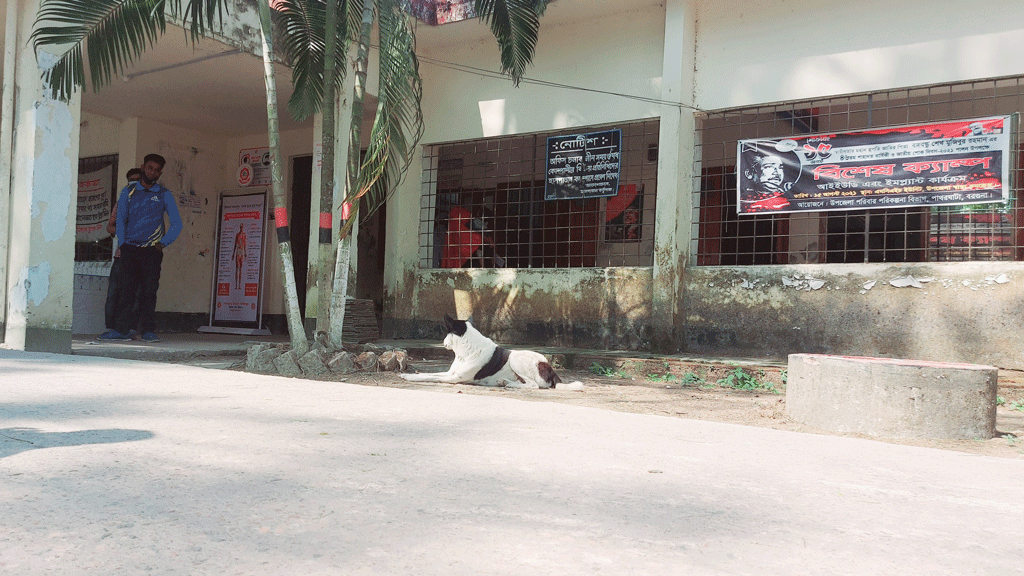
{"type": "Point", "coordinates": [237, 286]}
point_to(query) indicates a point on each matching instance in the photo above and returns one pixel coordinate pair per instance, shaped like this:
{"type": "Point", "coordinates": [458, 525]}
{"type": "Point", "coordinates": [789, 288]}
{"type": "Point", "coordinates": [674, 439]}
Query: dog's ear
{"type": "Point", "coordinates": [457, 327]}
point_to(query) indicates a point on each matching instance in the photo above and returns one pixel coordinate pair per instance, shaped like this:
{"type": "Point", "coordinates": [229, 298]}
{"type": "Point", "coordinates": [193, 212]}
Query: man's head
{"type": "Point", "coordinates": [767, 172]}
{"type": "Point", "coordinates": [133, 175]}
{"type": "Point", "coordinates": [152, 168]}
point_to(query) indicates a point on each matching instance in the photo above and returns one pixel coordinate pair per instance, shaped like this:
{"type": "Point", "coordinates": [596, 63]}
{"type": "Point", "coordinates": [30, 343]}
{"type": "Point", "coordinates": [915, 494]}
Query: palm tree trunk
{"type": "Point", "coordinates": [324, 271]}
{"type": "Point", "coordinates": [295, 329]}
{"type": "Point", "coordinates": [344, 255]}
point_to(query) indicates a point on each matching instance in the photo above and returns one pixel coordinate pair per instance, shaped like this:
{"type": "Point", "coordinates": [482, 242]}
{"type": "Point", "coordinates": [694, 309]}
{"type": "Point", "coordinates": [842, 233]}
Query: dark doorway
{"type": "Point", "coordinates": [370, 268]}
{"type": "Point", "coordinates": [302, 183]}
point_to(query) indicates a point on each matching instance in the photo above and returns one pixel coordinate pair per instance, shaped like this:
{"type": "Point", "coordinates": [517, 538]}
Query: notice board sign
{"type": "Point", "coordinates": [951, 163]}
{"type": "Point", "coordinates": [583, 165]}
{"type": "Point", "coordinates": [94, 191]}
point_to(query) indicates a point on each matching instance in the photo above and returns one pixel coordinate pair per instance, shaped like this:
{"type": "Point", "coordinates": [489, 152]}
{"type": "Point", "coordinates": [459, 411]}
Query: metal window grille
{"type": "Point", "coordinates": [957, 233]}
{"type": "Point", "coordinates": [492, 191]}
{"type": "Point", "coordinates": [99, 250]}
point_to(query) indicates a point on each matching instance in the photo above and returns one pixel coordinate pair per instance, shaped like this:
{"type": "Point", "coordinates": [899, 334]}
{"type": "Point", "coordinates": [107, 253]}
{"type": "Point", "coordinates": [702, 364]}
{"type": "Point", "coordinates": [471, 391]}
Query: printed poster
{"type": "Point", "coordinates": [950, 163]}
{"type": "Point", "coordinates": [258, 159]}
{"type": "Point", "coordinates": [239, 258]}
{"type": "Point", "coordinates": [94, 190]}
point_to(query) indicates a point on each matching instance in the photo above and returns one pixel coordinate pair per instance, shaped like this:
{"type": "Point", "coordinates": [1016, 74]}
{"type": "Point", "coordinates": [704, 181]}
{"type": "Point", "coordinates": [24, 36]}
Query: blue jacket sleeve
{"type": "Point", "coordinates": [122, 215]}
{"type": "Point", "coordinates": [175, 219]}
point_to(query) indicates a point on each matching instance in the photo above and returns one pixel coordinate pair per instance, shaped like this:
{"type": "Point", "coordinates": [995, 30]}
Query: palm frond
{"type": "Point", "coordinates": [398, 123]}
{"type": "Point", "coordinates": [114, 33]}
{"type": "Point", "coordinates": [302, 24]}
{"type": "Point", "coordinates": [201, 15]}
{"type": "Point", "coordinates": [516, 25]}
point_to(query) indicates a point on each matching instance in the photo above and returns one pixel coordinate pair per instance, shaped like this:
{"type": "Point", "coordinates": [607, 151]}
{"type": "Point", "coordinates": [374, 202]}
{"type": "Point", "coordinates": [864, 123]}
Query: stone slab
{"type": "Point", "coordinates": [892, 398]}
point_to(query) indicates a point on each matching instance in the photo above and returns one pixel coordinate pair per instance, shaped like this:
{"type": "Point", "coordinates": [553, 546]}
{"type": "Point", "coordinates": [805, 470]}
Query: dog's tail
{"type": "Point", "coordinates": [547, 374]}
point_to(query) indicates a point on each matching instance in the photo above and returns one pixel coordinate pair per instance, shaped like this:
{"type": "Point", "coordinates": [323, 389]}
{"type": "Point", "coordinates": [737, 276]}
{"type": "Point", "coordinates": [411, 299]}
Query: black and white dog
{"type": "Point", "coordinates": [478, 360]}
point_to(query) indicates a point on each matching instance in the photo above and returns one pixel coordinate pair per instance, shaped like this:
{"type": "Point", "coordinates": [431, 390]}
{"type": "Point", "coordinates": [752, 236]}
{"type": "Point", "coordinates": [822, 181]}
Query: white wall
{"type": "Point", "coordinates": [620, 54]}
{"type": "Point", "coordinates": [100, 137]}
{"type": "Point", "coordinates": [762, 51]}
{"type": "Point", "coordinates": [194, 173]}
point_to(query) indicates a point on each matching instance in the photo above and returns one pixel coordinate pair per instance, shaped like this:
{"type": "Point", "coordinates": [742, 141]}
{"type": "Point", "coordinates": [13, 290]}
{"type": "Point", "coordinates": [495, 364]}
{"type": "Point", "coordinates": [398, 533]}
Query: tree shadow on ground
{"type": "Point", "coordinates": [16, 440]}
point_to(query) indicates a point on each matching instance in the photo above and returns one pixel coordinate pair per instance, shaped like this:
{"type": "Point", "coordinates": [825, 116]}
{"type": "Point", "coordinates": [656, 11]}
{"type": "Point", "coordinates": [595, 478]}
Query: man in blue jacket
{"type": "Point", "coordinates": [141, 238]}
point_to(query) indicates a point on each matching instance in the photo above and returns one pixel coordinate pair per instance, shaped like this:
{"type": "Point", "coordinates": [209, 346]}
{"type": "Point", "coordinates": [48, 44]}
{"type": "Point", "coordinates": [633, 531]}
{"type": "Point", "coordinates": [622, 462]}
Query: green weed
{"type": "Point", "coordinates": [740, 379]}
{"type": "Point", "coordinates": [601, 370]}
{"type": "Point", "coordinates": [691, 379]}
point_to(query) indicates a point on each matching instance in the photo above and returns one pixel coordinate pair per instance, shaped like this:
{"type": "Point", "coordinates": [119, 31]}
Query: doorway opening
{"type": "Point", "coordinates": [302, 184]}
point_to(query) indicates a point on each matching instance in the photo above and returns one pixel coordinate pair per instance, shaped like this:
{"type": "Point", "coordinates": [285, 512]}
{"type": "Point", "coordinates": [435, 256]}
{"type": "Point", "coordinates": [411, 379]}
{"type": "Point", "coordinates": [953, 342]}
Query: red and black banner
{"type": "Point", "coordinates": [943, 164]}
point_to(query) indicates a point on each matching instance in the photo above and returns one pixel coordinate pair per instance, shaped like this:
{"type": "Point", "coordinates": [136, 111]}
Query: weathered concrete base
{"type": "Point", "coordinates": [47, 340]}
{"type": "Point", "coordinates": [890, 398]}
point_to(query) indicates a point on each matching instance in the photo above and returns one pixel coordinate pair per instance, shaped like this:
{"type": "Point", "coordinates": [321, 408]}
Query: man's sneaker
{"type": "Point", "coordinates": [113, 335]}
{"type": "Point", "coordinates": [150, 337]}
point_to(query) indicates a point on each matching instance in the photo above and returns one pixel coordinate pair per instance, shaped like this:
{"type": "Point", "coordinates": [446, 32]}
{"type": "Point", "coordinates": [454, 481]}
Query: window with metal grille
{"type": "Point", "coordinates": [483, 205]}
{"type": "Point", "coordinates": [98, 250]}
{"type": "Point", "coordinates": [919, 234]}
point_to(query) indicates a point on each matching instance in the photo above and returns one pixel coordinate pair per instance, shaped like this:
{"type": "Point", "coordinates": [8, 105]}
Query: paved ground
{"type": "Point", "coordinates": [111, 466]}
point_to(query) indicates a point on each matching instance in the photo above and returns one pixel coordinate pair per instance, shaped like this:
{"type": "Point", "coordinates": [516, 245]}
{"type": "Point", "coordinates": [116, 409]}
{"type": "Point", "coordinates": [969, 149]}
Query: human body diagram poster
{"type": "Point", "coordinates": [944, 164]}
{"type": "Point", "coordinates": [239, 258]}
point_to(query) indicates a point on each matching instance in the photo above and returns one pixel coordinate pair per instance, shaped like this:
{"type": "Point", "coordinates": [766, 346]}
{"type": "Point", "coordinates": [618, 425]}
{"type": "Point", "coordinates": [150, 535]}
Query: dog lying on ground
{"type": "Point", "coordinates": [478, 360]}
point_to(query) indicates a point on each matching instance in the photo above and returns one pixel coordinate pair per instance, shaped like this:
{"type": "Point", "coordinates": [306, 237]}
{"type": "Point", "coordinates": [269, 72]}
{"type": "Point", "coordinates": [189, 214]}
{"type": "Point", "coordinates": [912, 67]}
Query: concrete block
{"type": "Point", "coordinates": [252, 353]}
{"type": "Point", "coordinates": [393, 360]}
{"type": "Point", "coordinates": [367, 361]}
{"type": "Point", "coordinates": [287, 364]}
{"type": "Point", "coordinates": [312, 363]}
{"type": "Point", "coordinates": [264, 361]}
{"type": "Point", "coordinates": [889, 398]}
{"type": "Point", "coordinates": [341, 363]}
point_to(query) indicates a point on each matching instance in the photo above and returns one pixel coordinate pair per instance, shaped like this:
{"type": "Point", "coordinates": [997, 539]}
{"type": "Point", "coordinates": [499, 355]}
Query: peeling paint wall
{"type": "Point", "coordinates": [945, 312]}
{"type": "Point", "coordinates": [585, 308]}
{"type": "Point", "coordinates": [39, 272]}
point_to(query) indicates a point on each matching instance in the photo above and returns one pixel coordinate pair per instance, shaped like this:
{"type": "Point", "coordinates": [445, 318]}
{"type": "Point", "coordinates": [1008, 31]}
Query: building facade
{"type": "Point", "coordinates": [665, 263]}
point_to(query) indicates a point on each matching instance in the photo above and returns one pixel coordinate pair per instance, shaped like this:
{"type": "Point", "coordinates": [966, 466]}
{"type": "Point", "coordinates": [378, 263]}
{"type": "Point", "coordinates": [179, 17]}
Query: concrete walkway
{"type": "Point", "coordinates": [111, 466]}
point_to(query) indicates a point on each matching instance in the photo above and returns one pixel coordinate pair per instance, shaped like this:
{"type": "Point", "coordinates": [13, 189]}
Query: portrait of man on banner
{"type": "Point", "coordinates": [766, 178]}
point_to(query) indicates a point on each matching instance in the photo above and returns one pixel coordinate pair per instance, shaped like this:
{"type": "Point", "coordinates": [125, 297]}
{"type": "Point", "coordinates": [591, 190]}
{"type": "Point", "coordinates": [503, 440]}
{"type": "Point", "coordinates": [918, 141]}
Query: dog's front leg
{"type": "Point", "coordinates": [454, 375]}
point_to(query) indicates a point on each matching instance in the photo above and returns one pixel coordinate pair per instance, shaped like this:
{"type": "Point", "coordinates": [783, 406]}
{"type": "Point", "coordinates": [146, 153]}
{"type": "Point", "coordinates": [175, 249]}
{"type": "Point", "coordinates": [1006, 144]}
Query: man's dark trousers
{"type": "Point", "coordinates": [140, 274]}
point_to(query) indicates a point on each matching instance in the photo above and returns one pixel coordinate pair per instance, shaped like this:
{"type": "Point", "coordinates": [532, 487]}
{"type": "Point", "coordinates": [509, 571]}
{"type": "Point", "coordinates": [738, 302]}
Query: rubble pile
{"type": "Point", "coordinates": [322, 361]}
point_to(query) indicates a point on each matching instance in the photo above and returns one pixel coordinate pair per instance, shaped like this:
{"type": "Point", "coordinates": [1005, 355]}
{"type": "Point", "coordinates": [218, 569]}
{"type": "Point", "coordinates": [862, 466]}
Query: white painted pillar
{"type": "Point", "coordinates": [674, 214]}
{"type": "Point", "coordinates": [43, 207]}
{"type": "Point", "coordinates": [6, 144]}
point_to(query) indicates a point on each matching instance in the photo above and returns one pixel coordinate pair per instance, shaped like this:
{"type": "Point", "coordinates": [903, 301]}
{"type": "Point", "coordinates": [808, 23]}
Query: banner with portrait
{"type": "Point", "coordinates": [943, 164]}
